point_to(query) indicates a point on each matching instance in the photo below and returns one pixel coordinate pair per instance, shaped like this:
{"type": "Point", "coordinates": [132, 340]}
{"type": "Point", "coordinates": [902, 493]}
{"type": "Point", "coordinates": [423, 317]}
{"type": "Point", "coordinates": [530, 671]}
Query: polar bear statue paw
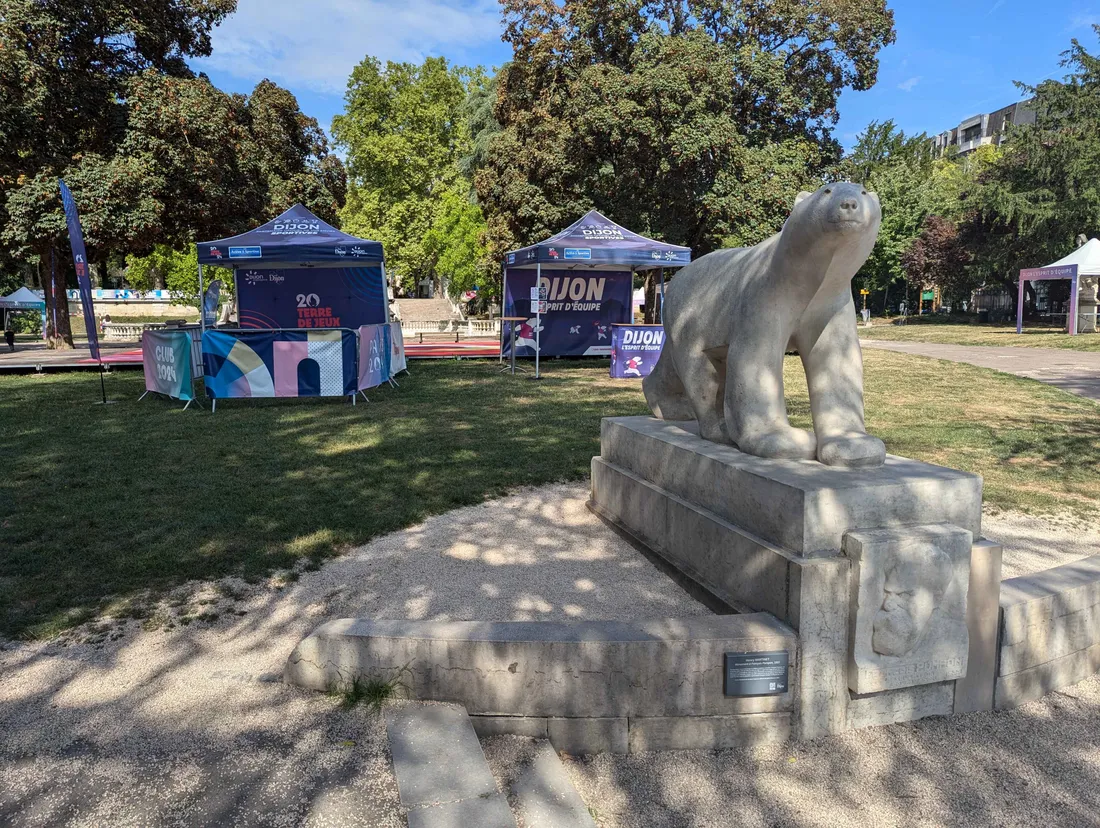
{"type": "Point", "coordinates": [856, 450]}
{"type": "Point", "coordinates": [780, 443]}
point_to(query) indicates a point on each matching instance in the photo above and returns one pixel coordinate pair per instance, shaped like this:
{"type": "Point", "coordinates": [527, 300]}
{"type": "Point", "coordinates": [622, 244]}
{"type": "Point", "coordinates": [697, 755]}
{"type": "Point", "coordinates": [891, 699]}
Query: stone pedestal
{"type": "Point", "coordinates": [769, 535]}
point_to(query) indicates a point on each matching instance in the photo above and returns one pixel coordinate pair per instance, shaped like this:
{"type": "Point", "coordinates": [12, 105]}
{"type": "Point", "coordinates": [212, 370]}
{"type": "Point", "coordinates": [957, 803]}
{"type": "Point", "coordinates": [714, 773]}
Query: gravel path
{"type": "Point", "coordinates": [1036, 765]}
{"type": "Point", "coordinates": [1033, 543]}
{"type": "Point", "coordinates": [1077, 372]}
{"type": "Point", "coordinates": [180, 719]}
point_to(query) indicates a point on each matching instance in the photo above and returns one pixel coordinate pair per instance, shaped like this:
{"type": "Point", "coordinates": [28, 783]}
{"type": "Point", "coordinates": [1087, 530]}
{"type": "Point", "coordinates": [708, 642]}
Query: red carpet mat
{"type": "Point", "coordinates": [118, 357]}
{"type": "Point", "coordinates": [444, 350]}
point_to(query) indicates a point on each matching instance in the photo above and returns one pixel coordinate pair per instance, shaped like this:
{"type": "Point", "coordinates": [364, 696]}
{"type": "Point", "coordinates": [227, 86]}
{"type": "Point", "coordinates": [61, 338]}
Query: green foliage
{"type": "Point", "coordinates": [176, 271]}
{"type": "Point", "coordinates": [696, 124]}
{"type": "Point", "coordinates": [405, 131]}
{"type": "Point", "coordinates": [372, 692]}
{"type": "Point", "coordinates": [898, 168]}
{"type": "Point", "coordinates": [919, 194]}
{"type": "Point", "coordinates": [1043, 188]}
{"type": "Point", "coordinates": [454, 243]}
{"type": "Point", "coordinates": [100, 94]}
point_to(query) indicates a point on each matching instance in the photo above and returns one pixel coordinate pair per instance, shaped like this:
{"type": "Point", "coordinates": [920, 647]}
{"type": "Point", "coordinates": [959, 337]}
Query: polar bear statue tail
{"type": "Point", "coordinates": [664, 392]}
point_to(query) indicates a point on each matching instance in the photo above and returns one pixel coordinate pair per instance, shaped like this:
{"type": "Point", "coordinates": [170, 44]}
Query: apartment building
{"type": "Point", "coordinates": [979, 130]}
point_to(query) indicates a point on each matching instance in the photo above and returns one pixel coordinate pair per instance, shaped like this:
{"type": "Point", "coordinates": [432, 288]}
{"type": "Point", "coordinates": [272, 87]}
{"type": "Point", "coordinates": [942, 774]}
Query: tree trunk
{"type": "Point", "coordinates": [650, 316]}
{"type": "Point", "coordinates": [59, 334]}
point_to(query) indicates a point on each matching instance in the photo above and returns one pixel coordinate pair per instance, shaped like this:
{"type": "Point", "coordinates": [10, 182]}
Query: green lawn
{"type": "Point", "coordinates": [946, 334]}
{"type": "Point", "coordinates": [98, 504]}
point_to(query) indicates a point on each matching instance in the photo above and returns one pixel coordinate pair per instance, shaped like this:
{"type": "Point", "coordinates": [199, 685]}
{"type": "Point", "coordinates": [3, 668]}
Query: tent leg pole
{"type": "Point", "coordinates": [213, 405]}
{"type": "Point", "coordinates": [503, 297]}
{"type": "Point", "coordinates": [143, 396]}
{"type": "Point", "coordinates": [188, 405]}
{"type": "Point", "coordinates": [364, 395]}
{"type": "Point", "coordinates": [353, 399]}
{"type": "Point", "coordinates": [202, 309]}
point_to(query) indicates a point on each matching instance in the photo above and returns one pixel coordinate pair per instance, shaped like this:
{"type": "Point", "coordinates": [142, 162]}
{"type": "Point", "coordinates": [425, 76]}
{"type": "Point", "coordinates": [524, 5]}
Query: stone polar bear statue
{"type": "Point", "coordinates": [730, 316]}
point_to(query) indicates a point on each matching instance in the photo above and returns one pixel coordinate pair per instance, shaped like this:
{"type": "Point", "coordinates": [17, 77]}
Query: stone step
{"type": "Point", "coordinates": [442, 776]}
{"type": "Point", "coordinates": [544, 796]}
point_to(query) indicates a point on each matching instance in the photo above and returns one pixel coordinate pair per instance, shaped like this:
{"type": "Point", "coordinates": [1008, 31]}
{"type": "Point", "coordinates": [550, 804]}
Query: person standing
{"type": "Point", "coordinates": [9, 332]}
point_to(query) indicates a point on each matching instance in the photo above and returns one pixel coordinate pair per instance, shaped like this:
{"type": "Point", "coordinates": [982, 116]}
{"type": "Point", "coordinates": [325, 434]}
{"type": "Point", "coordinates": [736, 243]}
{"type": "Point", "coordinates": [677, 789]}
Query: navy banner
{"type": "Point", "coordinates": [80, 260]}
{"type": "Point", "coordinates": [581, 307]}
{"type": "Point", "coordinates": [311, 297]}
{"type": "Point", "coordinates": [635, 349]}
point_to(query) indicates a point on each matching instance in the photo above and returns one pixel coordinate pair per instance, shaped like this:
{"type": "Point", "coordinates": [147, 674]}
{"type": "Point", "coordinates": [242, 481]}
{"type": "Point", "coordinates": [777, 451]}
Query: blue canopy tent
{"type": "Point", "coordinates": [352, 269]}
{"type": "Point", "coordinates": [23, 299]}
{"type": "Point", "coordinates": [591, 245]}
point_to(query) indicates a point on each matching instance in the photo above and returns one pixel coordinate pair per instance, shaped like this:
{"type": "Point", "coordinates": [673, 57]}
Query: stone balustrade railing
{"type": "Point", "coordinates": [122, 332]}
{"type": "Point", "coordinates": [467, 327]}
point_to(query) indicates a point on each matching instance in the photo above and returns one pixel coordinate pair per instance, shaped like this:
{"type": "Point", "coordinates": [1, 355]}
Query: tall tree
{"type": "Point", "coordinates": [938, 257]}
{"type": "Point", "coordinates": [695, 123]}
{"type": "Point", "coordinates": [65, 66]}
{"type": "Point", "coordinates": [1043, 188]}
{"type": "Point", "coordinates": [405, 131]}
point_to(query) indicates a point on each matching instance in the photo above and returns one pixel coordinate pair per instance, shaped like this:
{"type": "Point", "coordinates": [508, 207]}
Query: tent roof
{"type": "Point", "coordinates": [1086, 257]}
{"type": "Point", "coordinates": [295, 237]}
{"type": "Point", "coordinates": [595, 239]}
{"type": "Point", "coordinates": [22, 298]}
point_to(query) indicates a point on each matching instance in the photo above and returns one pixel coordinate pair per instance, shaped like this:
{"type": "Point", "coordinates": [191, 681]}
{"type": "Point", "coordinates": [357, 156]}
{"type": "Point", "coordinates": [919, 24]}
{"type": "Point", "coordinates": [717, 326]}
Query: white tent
{"type": "Point", "coordinates": [22, 299]}
{"type": "Point", "coordinates": [1086, 257]}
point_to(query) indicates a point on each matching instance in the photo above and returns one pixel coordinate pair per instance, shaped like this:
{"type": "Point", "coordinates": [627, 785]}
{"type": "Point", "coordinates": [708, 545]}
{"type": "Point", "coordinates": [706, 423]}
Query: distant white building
{"type": "Point", "coordinates": [978, 130]}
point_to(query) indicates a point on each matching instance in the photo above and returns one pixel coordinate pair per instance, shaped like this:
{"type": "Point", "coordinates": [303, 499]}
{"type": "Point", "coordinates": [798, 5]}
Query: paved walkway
{"type": "Point", "coordinates": [1077, 372]}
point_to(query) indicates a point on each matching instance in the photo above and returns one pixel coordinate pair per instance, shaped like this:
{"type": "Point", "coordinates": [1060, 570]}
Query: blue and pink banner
{"type": "Point", "coordinates": [635, 349]}
{"type": "Point", "coordinates": [80, 261]}
{"type": "Point", "coordinates": [374, 355]}
{"type": "Point", "coordinates": [279, 363]}
{"type": "Point", "coordinates": [581, 307]}
{"type": "Point", "coordinates": [313, 297]}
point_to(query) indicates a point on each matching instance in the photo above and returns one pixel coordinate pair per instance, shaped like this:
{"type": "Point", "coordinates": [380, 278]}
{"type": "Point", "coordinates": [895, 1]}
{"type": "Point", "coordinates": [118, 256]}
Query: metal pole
{"type": "Point", "coordinates": [538, 318]}
{"type": "Point", "coordinates": [1073, 297]}
{"type": "Point", "coordinates": [202, 303]}
{"type": "Point", "coordinates": [386, 287]}
{"type": "Point", "coordinates": [504, 312]}
{"type": "Point", "coordinates": [662, 311]}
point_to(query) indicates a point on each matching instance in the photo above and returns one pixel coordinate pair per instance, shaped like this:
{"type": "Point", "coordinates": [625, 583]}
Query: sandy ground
{"type": "Point", "coordinates": [1038, 765]}
{"type": "Point", "coordinates": [187, 723]}
{"type": "Point", "coordinates": [1032, 544]}
{"type": "Point", "coordinates": [180, 719]}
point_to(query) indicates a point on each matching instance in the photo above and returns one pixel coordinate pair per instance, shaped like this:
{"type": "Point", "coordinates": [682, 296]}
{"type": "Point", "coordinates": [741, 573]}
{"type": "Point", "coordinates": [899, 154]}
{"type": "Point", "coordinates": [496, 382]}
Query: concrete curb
{"type": "Point", "coordinates": [545, 798]}
{"type": "Point", "coordinates": [442, 776]}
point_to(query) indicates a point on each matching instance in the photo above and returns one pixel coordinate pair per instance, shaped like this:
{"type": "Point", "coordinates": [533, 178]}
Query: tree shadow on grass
{"type": "Point", "coordinates": [102, 503]}
{"type": "Point", "coordinates": [192, 727]}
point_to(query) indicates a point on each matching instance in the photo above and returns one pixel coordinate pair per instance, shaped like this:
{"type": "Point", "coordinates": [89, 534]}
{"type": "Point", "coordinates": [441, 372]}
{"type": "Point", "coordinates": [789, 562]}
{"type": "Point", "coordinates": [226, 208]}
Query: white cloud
{"type": "Point", "coordinates": [315, 45]}
{"type": "Point", "coordinates": [907, 86]}
{"type": "Point", "coordinates": [1082, 21]}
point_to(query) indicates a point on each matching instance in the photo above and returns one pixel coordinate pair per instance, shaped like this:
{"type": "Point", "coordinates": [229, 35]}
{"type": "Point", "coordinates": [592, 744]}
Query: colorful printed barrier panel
{"type": "Point", "coordinates": [374, 355]}
{"type": "Point", "coordinates": [581, 307]}
{"type": "Point", "coordinates": [397, 350]}
{"type": "Point", "coordinates": [381, 353]}
{"type": "Point", "coordinates": [635, 349]}
{"type": "Point", "coordinates": [166, 358]}
{"type": "Point", "coordinates": [279, 363]}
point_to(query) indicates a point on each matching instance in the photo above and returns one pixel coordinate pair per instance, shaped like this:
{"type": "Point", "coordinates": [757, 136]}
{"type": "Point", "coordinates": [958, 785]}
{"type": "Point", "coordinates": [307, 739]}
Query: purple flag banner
{"type": "Point", "coordinates": [80, 260]}
{"type": "Point", "coordinates": [635, 349]}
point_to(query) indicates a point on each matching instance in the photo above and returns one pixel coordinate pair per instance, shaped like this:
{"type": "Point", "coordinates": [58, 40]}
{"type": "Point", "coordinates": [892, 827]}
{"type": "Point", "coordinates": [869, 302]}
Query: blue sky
{"type": "Point", "coordinates": [951, 59]}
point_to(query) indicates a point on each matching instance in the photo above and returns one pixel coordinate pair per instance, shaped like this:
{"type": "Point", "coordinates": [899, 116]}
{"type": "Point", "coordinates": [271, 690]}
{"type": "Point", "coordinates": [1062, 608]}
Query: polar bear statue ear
{"type": "Point", "coordinates": [800, 197]}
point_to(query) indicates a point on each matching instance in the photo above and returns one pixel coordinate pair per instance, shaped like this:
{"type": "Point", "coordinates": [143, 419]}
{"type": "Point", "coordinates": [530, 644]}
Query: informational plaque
{"type": "Point", "coordinates": [757, 674]}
